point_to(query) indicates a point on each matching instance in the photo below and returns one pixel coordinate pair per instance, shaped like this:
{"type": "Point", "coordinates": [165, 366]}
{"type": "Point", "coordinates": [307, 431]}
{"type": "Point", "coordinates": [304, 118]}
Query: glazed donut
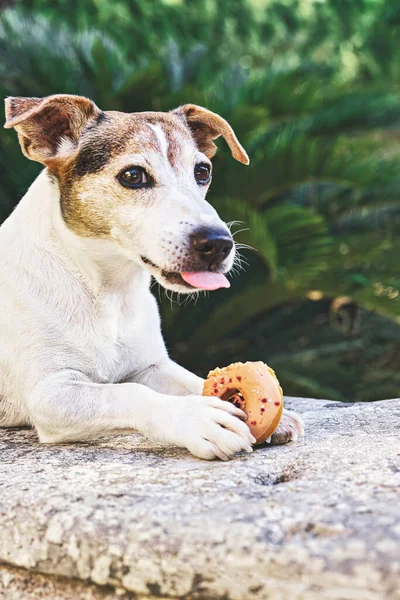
{"type": "Point", "coordinates": [253, 387]}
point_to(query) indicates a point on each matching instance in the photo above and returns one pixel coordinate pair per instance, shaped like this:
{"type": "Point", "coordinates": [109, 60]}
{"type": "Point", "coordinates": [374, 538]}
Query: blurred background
{"type": "Point", "coordinates": [312, 89]}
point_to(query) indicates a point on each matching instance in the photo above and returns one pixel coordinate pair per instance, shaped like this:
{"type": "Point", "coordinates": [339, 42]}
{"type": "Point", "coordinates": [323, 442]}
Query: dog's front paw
{"type": "Point", "coordinates": [207, 426]}
{"type": "Point", "coordinates": [289, 429]}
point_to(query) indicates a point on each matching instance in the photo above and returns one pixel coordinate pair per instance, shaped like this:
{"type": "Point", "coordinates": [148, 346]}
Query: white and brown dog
{"type": "Point", "coordinates": [122, 198]}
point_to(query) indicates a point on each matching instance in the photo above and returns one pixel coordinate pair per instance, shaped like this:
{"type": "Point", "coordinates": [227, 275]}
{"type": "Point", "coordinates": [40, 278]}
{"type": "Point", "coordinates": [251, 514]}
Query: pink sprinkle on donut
{"type": "Point", "coordinates": [264, 400]}
{"type": "Point", "coordinates": [253, 423]}
{"type": "Point", "coordinates": [230, 380]}
{"type": "Point", "coordinates": [222, 380]}
{"type": "Point", "coordinates": [262, 409]}
{"type": "Point", "coordinates": [277, 403]}
{"type": "Point", "coordinates": [239, 378]}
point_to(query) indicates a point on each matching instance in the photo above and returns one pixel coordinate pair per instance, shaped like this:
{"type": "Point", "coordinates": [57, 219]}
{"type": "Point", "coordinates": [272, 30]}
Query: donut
{"type": "Point", "coordinates": [253, 387]}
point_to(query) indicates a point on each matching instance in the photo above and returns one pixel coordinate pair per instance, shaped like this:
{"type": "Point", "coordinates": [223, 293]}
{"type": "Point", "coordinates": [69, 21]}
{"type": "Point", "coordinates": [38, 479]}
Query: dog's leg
{"type": "Point", "coordinates": [289, 428]}
{"type": "Point", "coordinates": [167, 377]}
{"type": "Point", "coordinates": [68, 407]}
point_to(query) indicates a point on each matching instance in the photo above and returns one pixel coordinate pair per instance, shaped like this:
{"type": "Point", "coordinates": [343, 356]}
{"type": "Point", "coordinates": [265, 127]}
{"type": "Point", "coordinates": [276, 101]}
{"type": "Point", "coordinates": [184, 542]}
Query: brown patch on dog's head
{"type": "Point", "coordinates": [206, 126]}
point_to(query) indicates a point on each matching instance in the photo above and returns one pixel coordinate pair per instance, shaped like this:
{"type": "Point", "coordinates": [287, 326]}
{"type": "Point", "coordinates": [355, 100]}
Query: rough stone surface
{"type": "Point", "coordinates": [18, 584]}
{"type": "Point", "coordinates": [316, 519]}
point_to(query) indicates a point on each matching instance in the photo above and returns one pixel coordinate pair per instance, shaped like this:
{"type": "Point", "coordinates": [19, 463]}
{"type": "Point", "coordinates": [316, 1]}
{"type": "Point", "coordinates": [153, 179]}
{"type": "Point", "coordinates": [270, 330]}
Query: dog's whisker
{"type": "Point", "coordinates": [237, 269]}
{"type": "Point", "coordinates": [241, 264]}
{"type": "Point", "coordinates": [245, 247]}
{"type": "Point", "coordinates": [184, 299]}
{"type": "Point", "coordinates": [168, 298]}
{"type": "Point", "coordinates": [240, 231]}
{"type": "Point", "coordinates": [239, 259]}
{"type": "Point", "coordinates": [172, 300]}
{"type": "Point", "coordinates": [230, 224]}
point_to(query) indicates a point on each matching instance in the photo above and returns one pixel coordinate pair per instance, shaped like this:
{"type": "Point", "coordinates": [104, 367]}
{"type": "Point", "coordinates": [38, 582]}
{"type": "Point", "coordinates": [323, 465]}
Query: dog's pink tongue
{"type": "Point", "coordinates": [206, 280]}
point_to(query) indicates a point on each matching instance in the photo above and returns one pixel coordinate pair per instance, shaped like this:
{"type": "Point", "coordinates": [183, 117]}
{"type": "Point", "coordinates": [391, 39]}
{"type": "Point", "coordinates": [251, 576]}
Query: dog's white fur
{"type": "Point", "coordinates": [81, 349]}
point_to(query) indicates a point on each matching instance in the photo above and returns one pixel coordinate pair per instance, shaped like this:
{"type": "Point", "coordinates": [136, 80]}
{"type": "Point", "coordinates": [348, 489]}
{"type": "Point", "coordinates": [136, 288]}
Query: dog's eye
{"type": "Point", "coordinates": [133, 177]}
{"type": "Point", "coordinates": [202, 173]}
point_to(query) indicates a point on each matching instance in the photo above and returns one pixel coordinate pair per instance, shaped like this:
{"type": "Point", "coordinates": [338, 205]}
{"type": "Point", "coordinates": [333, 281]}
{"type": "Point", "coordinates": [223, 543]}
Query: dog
{"type": "Point", "coordinates": [121, 200]}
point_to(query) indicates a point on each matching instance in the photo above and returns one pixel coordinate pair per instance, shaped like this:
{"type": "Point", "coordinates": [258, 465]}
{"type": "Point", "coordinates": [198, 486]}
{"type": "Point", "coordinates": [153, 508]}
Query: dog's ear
{"type": "Point", "coordinates": [206, 126]}
{"type": "Point", "coordinates": [47, 126]}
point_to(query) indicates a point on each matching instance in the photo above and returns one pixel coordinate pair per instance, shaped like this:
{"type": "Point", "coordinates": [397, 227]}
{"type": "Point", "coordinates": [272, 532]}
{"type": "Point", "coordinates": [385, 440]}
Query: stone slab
{"type": "Point", "coordinates": [311, 520]}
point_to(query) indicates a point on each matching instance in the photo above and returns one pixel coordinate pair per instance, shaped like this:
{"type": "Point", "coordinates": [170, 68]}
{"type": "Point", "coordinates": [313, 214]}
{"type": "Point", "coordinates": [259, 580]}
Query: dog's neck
{"type": "Point", "coordinates": [98, 263]}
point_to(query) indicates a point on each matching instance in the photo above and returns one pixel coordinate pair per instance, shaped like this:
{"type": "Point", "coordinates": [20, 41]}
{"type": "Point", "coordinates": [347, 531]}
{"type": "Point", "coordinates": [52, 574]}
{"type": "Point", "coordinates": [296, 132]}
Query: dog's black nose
{"type": "Point", "coordinates": [212, 246]}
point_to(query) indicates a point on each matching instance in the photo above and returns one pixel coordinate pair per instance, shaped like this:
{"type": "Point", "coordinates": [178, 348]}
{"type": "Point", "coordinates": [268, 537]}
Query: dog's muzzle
{"type": "Point", "coordinates": [204, 264]}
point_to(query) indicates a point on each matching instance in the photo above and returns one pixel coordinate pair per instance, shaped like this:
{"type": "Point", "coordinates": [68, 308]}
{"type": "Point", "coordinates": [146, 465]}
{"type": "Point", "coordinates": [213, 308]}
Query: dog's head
{"type": "Point", "coordinates": [138, 180]}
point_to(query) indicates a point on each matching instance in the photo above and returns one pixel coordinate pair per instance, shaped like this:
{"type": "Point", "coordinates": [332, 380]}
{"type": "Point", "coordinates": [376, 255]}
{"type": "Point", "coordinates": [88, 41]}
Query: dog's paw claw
{"type": "Point", "coordinates": [289, 429]}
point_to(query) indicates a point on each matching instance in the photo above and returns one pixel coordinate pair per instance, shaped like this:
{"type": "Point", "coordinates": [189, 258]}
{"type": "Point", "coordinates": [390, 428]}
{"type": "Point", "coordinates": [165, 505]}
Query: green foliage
{"type": "Point", "coordinates": [312, 90]}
